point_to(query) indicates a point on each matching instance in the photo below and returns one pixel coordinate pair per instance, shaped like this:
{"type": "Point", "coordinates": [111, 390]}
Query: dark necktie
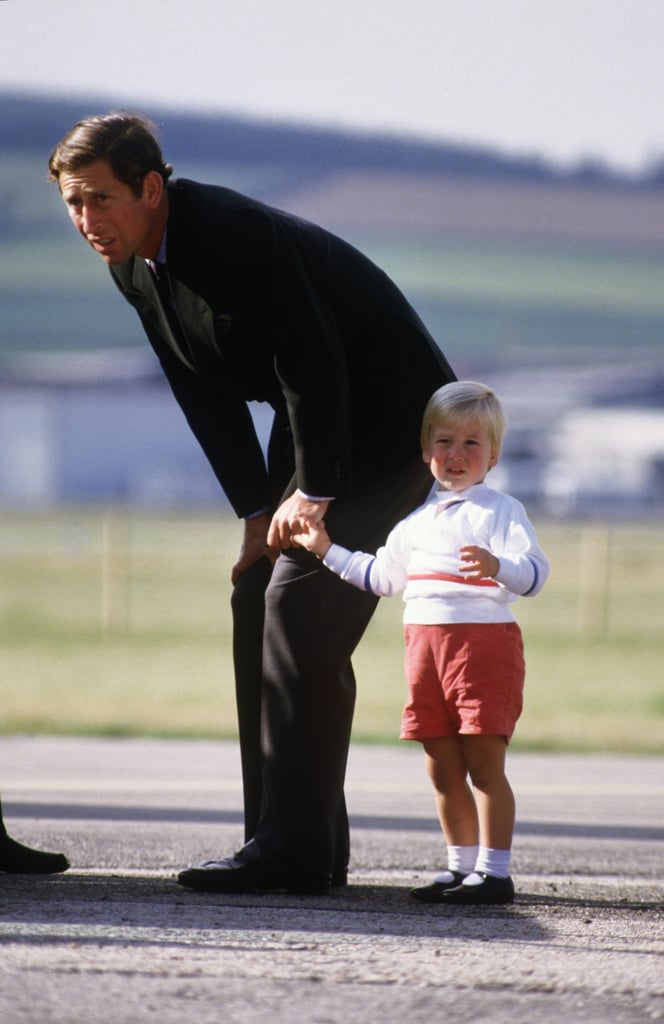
{"type": "Point", "coordinates": [165, 292]}
{"type": "Point", "coordinates": [160, 275]}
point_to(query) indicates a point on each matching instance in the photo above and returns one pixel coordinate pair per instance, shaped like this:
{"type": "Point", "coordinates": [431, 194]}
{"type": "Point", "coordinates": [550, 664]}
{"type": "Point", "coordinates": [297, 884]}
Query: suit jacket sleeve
{"type": "Point", "coordinates": [222, 424]}
{"type": "Point", "coordinates": [301, 337]}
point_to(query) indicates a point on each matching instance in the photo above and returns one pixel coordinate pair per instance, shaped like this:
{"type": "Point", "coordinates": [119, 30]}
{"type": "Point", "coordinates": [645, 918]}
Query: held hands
{"type": "Point", "coordinates": [298, 522]}
{"type": "Point", "coordinates": [478, 563]}
{"type": "Point", "coordinates": [313, 537]}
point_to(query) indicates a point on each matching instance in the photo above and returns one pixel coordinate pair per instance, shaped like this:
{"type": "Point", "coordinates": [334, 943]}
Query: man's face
{"type": "Point", "coordinates": [110, 217]}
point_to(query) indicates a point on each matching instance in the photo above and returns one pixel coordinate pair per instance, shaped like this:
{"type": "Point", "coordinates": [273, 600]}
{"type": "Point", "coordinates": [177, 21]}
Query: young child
{"type": "Point", "coordinates": [460, 560]}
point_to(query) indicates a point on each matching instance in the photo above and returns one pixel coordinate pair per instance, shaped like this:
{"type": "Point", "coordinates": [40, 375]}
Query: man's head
{"type": "Point", "coordinates": [126, 141]}
{"type": "Point", "coordinates": [112, 177]}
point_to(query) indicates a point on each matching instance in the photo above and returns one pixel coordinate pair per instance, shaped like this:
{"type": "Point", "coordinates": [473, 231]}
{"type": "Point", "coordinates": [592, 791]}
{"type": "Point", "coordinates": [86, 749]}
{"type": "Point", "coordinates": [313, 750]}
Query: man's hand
{"type": "Point", "coordinates": [478, 562]}
{"type": "Point", "coordinates": [291, 518]}
{"type": "Point", "coordinates": [254, 545]}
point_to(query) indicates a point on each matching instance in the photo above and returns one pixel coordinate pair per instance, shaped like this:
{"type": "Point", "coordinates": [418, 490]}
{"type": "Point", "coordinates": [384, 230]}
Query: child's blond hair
{"type": "Point", "coordinates": [464, 400]}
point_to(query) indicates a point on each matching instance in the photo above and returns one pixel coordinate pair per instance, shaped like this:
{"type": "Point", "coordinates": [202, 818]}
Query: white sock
{"type": "Point", "coordinates": [460, 859]}
{"type": "Point", "coordinates": [445, 877]}
{"type": "Point", "coordinates": [493, 862]}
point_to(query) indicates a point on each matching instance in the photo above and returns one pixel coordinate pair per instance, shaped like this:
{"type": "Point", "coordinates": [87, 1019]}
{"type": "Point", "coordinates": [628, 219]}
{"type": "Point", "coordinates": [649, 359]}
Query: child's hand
{"type": "Point", "coordinates": [478, 563]}
{"type": "Point", "coordinates": [313, 536]}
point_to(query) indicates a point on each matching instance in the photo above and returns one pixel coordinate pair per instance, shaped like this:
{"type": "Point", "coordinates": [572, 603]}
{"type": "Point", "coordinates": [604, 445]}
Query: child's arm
{"type": "Point", "coordinates": [379, 574]}
{"type": "Point", "coordinates": [516, 560]}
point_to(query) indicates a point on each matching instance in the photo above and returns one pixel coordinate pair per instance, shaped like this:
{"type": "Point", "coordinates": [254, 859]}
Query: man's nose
{"type": "Point", "coordinates": [89, 220]}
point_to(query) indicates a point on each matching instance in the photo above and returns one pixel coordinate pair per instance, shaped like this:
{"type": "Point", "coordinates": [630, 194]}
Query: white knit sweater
{"type": "Point", "coordinates": [427, 543]}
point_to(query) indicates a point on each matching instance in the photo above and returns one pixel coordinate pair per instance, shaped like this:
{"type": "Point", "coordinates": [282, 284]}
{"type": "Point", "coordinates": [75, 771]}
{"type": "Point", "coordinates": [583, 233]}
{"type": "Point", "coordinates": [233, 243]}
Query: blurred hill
{"type": "Point", "coordinates": [499, 254]}
{"type": "Point", "coordinates": [30, 123]}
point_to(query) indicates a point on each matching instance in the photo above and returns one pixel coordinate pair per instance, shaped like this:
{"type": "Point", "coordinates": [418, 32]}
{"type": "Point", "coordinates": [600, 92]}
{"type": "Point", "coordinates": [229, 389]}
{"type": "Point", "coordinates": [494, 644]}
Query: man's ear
{"type": "Point", "coordinates": [153, 189]}
{"type": "Point", "coordinates": [426, 457]}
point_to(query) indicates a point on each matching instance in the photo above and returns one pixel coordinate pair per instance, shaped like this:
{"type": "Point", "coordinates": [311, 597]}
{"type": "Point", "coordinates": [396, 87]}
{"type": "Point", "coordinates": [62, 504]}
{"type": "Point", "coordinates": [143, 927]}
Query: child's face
{"type": "Point", "coordinates": [459, 455]}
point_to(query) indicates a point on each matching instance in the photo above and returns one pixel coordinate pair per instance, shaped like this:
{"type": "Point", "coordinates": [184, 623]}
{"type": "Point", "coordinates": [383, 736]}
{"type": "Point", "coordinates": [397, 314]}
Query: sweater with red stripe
{"type": "Point", "coordinates": [421, 558]}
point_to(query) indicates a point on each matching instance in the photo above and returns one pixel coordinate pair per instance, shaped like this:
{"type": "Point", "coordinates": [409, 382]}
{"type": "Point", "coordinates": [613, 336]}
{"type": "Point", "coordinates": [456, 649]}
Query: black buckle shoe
{"type": "Point", "coordinates": [433, 893]}
{"type": "Point", "coordinates": [490, 890]}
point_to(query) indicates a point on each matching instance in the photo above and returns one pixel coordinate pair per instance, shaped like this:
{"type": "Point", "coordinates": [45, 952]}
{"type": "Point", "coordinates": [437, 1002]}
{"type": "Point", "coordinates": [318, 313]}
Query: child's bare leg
{"type": "Point", "coordinates": [485, 759]}
{"type": "Point", "coordinates": [457, 812]}
{"type": "Point", "coordinates": [490, 882]}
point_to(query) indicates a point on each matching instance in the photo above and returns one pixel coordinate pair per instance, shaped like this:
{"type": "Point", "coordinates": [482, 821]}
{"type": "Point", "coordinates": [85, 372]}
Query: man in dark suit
{"type": "Point", "coordinates": [243, 302]}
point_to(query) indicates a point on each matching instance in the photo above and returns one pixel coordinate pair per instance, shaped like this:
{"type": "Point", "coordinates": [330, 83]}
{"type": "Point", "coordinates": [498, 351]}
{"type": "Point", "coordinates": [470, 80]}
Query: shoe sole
{"type": "Point", "coordinates": [486, 902]}
{"type": "Point", "coordinates": [294, 886]}
{"type": "Point", "coordinates": [458, 898]}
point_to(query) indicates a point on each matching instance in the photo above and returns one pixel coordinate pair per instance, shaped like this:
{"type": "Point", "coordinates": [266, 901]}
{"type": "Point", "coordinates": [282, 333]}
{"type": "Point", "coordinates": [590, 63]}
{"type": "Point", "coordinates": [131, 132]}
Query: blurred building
{"type": "Point", "coordinates": [105, 428]}
{"type": "Point", "coordinates": [100, 429]}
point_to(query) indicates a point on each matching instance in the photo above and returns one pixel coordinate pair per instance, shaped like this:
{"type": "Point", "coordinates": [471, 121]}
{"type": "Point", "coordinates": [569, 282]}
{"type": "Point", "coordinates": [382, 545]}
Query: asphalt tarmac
{"type": "Point", "coordinates": [116, 941]}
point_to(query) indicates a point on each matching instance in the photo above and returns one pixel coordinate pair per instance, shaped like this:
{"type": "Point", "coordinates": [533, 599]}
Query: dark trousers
{"type": "Point", "coordinates": [295, 630]}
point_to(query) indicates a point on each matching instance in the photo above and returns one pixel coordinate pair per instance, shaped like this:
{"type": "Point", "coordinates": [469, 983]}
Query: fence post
{"type": "Point", "coordinates": [115, 573]}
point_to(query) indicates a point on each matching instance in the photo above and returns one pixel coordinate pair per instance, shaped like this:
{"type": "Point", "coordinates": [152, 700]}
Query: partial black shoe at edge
{"type": "Point", "coordinates": [251, 871]}
{"type": "Point", "coordinates": [17, 859]}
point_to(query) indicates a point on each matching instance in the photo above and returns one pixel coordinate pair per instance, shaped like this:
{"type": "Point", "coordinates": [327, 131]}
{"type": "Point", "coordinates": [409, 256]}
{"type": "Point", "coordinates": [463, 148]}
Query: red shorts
{"type": "Point", "coordinates": [463, 678]}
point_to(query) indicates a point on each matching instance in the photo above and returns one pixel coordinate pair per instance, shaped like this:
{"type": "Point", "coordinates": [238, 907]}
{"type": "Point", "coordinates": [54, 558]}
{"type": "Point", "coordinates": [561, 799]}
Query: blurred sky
{"type": "Point", "coordinates": [564, 79]}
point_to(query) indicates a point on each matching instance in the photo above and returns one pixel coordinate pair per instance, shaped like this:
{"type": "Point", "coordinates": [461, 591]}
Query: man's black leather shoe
{"type": "Point", "coordinates": [249, 870]}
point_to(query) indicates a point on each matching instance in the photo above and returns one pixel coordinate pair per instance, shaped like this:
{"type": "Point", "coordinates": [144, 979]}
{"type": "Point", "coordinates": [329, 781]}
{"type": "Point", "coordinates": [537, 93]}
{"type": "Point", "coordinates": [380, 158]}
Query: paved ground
{"type": "Point", "coordinates": [116, 941]}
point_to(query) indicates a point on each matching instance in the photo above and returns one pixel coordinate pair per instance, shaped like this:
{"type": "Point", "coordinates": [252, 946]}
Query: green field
{"type": "Point", "coordinates": [118, 624]}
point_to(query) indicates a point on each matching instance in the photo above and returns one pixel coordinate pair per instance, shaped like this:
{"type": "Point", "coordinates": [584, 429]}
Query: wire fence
{"type": "Point", "coordinates": [117, 570]}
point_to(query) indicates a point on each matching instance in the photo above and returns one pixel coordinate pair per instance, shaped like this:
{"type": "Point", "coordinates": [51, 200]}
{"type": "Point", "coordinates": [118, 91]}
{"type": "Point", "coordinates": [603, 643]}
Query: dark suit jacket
{"type": "Point", "coordinates": [271, 308]}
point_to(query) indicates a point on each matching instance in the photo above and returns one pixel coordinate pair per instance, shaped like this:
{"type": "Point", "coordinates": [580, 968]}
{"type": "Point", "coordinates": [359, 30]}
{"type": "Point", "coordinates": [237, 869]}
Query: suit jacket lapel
{"type": "Point", "coordinates": [154, 302]}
